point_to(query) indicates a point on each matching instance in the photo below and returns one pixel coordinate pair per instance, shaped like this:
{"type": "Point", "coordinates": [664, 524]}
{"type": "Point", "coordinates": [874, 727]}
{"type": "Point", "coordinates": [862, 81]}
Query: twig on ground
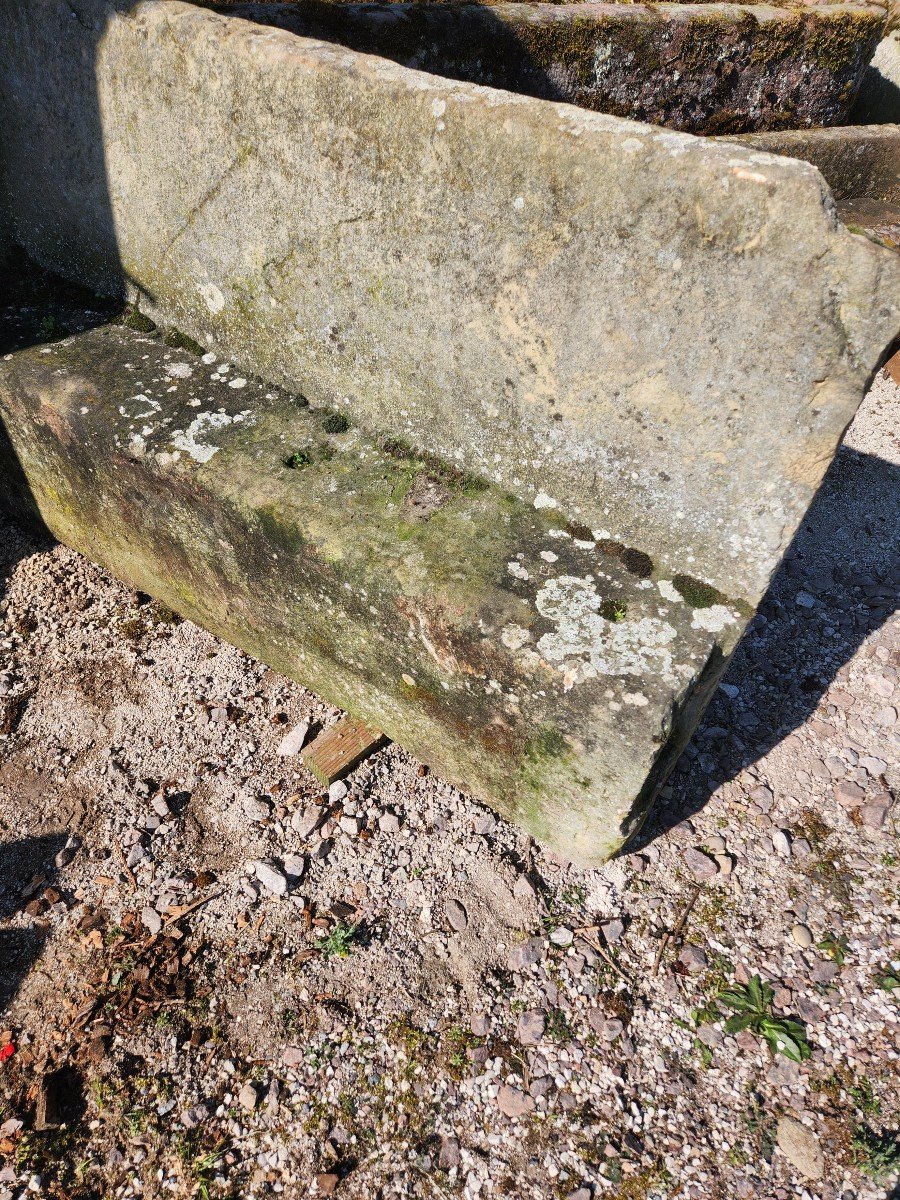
{"type": "Point", "coordinates": [189, 908]}
{"type": "Point", "coordinates": [674, 934]}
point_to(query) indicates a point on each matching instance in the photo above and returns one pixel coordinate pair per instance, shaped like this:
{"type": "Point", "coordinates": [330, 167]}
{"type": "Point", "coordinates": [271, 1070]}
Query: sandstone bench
{"type": "Point", "coordinates": [489, 417]}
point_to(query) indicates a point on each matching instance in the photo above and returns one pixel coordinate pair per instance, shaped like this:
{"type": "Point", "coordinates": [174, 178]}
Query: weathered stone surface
{"type": "Point", "coordinates": [527, 665]}
{"type": "Point", "coordinates": [660, 336]}
{"type": "Point", "coordinates": [711, 68]}
{"type": "Point", "coordinates": [861, 165]}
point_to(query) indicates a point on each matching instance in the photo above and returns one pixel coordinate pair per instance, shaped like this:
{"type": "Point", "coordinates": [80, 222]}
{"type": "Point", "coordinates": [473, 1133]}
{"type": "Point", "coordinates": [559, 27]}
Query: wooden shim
{"type": "Point", "coordinates": [337, 750]}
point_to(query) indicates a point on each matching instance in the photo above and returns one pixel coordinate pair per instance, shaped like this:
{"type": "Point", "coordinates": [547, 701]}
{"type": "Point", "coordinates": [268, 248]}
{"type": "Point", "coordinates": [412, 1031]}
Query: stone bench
{"type": "Point", "coordinates": [593, 373]}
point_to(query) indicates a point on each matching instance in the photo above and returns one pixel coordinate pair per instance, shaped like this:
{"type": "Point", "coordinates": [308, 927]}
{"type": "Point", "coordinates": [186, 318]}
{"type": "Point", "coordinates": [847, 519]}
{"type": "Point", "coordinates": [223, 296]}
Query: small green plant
{"type": "Point", "coordinates": [761, 1123]}
{"type": "Point", "coordinates": [202, 1165]}
{"type": "Point", "coordinates": [574, 896]}
{"type": "Point", "coordinates": [320, 1054]}
{"type": "Point", "coordinates": [876, 1154]}
{"type": "Point", "coordinates": [704, 1053]}
{"type": "Point", "coordinates": [613, 610]}
{"type": "Point", "coordinates": [752, 1005]}
{"type": "Point", "coordinates": [52, 329]}
{"type": "Point", "coordinates": [298, 460]}
{"type": "Point", "coordinates": [339, 942]}
{"type": "Point", "coordinates": [888, 980]}
{"type": "Point", "coordinates": [835, 947]}
{"type": "Point", "coordinates": [557, 1026]}
{"type": "Point", "coordinates": [135, 1121]}
{"type": "Point", "coordinates": [864, 1097]}
{"type": "Point", "coordinates": [102, 1093]}
{"type": "Point", "coordinates": [291, 1020]}
{"type": "Point", "coordinates": [457, 1041]}
{"type": "Point", "coordinates": [706, 1014]}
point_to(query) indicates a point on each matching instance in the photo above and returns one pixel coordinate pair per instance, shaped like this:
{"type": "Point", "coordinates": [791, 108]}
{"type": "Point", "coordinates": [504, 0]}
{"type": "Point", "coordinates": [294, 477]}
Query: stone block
{"type": "Point", "coordinates": [878, 101]}
{"type": "Point", "coordinates": [860, 164]}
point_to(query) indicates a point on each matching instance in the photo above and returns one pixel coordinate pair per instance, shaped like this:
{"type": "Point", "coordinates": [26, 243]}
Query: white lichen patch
{"type": "Point", "coordinates": [585, 644]}
{"type": "Point", "coordinates": [669, 592]}
{"type": "Point", "coordinates": [179, 370]}
{"type": "Point", "coordinates": [212, 297]}
{"type": "Point", "coordinates": [542, 500]}
{"type": "Point", "coordinates": [188, 439]}
{"type": "Point", "coordinates": [514, 637]}
{"type": "Point", "coordinates": [713, 619]}
{"type": "Point", "coordinates": [149, 406]}
{"type": "Point", "coordinates": [517, 570]}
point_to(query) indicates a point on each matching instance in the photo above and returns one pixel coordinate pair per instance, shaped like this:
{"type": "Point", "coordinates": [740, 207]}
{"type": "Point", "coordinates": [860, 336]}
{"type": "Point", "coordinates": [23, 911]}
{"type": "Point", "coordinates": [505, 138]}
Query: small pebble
{"type": "Point", "coordinates": [802, 935]}
{"type": "Point", "coordinates": [781, 843]}
{"type": "Point", "coordinates": [457, 917]}
{"type": "Point", "coordinates": [292, 743]}
{"type": "Point", "coordinates": [271, 877]}
{"type": "Point", "coordinates": [151, 920]}
{"type": "Point", "coordinates": [700, 865]}
{"type": "Point", "coordinates": [612, 931]}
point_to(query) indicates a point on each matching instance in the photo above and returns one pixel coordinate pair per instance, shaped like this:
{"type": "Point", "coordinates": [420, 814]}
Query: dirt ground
{"type": "Point", "coordinates": [218, 981]}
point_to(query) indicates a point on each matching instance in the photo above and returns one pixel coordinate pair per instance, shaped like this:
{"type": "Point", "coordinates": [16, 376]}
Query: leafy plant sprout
{"type": "Point", "coordinates": [339, 942]}
{"type": "Point", "coordinates": [752, 1005]}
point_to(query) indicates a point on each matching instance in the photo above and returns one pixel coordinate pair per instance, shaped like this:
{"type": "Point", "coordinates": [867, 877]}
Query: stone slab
{"type": "Point", "coordinates": [552, 676]}
{"type": "Point", "coordinates": [659, 336]}
{"type": "Point", "coordinates": [704, 68]}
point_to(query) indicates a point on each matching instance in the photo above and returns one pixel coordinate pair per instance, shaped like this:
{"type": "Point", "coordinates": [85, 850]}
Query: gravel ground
{"type": "Point", "coordinates": [219, 981]}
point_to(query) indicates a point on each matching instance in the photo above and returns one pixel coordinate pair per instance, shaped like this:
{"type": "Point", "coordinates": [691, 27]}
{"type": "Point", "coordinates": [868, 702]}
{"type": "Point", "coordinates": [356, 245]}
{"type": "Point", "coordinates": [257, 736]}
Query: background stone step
{"type": "Point", "coordinates": [861, 165]}
{"type": "Point", "coordinates": [706, 68]}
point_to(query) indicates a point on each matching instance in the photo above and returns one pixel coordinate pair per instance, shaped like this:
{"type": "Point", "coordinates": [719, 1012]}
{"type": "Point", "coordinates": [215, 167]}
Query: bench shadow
{"type": "Point", "coordinates": [60, 129]}
{"type": "Point", "coordinates": [26, 870]}
{"type": "Point", "coordinates": [844, 565]}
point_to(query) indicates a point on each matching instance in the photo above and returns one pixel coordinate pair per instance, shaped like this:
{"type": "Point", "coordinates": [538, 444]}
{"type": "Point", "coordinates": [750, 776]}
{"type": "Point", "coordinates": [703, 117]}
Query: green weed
{"type": "Point", "coordinates": [752, 1005]}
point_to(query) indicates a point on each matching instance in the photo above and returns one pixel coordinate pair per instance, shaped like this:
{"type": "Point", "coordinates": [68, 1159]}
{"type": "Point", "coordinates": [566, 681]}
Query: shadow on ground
{"type": "Point", "coordinates": [844, 566]}
{"type": "Point", "coordinates": [26, 870]}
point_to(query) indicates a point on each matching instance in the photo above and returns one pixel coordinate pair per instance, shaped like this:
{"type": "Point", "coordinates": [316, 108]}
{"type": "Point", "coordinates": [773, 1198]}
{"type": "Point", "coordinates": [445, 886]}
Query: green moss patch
{"type": "Point", "coordinates": [696, 593]}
